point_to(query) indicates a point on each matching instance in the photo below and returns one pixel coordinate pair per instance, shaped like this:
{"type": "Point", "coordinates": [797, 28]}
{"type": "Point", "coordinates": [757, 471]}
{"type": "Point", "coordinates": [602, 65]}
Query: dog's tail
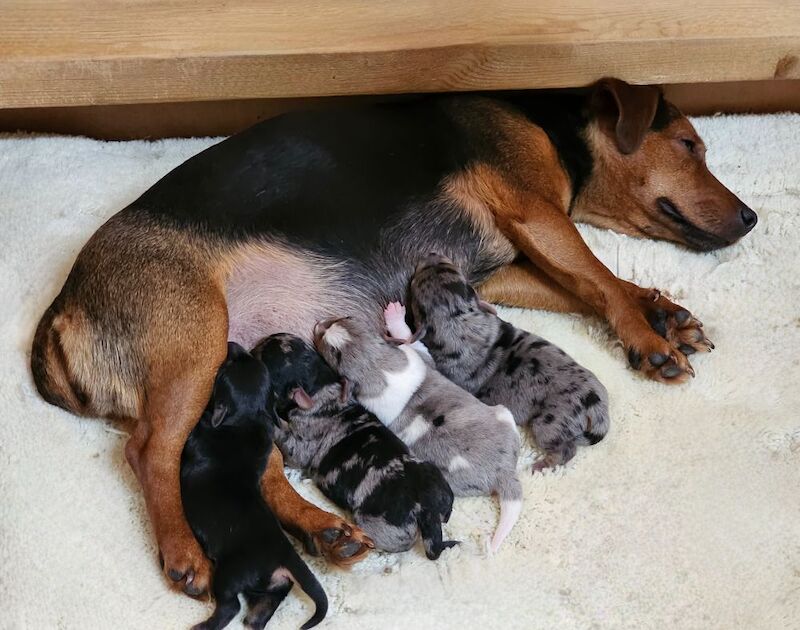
{"type": "Point", "coordinates": [303, 576]}
{"type": "Point", "coordinates": [509, 492]}
{"type": "Point", "coordinates": [52, 375]}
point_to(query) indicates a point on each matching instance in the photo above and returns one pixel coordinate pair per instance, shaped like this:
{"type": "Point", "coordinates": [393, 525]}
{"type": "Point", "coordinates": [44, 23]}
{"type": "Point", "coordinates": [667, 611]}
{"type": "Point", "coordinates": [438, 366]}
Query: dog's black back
{"type": "Point", "coordinates": [221, 468]}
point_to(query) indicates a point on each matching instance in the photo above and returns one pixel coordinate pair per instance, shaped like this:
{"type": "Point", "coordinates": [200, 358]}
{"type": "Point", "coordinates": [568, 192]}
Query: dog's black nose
{"type": "Point", "coordinates": [749, 218]}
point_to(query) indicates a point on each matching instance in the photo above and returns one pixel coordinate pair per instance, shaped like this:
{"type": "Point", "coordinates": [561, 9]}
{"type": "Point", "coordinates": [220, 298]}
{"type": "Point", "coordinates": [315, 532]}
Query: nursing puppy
{"type": "Point", "coordinates": [354, 459]}
{"type": "Point", "coordinates": [561, 401]}
{"type": "Point", "coordinates": [222, 463]}
{"type": "Point", "coordinates": [474, 445]}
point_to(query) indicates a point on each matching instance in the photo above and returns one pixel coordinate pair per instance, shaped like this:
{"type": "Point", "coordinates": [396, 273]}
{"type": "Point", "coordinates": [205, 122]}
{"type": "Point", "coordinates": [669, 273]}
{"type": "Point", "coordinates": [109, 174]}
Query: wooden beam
{"type": "Point", "coordinates": [93, 52]}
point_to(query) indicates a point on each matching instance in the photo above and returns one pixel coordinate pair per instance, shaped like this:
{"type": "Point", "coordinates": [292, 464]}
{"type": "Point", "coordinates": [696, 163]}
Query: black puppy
{"type": "Point", "coordinates": [354, 459]}
{"type": "Point", "coordinates": [221, 466]}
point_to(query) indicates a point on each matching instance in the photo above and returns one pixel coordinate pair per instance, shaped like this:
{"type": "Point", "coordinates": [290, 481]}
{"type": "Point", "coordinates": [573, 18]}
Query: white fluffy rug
{"type": "Point", "coordinates": [686, 516]}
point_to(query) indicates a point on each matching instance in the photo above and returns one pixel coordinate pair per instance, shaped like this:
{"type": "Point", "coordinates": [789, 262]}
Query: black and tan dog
{"type": "Point", "coordinates": [281, 225]}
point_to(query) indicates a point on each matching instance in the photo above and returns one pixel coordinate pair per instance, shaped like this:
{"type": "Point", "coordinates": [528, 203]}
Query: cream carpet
{"type": "Point", "coordinates": [686, 516]}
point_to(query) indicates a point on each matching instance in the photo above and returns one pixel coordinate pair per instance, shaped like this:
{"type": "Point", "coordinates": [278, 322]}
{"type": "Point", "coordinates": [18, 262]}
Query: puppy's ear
{"type": "Point", "coordinates": [393, 340]}
{"type": "Point", "coordinates": [301, 398]}
{"type": "Point", "coordinates": [345, 391]}
{"type": "Point", "coordinates": [419, 333]}
{"type": "Point", "coordinates": [218, 414]}
{"type": "Point", "coordinates": [235, 350]}
{"type": "Point", "coordinates": [486, 307]}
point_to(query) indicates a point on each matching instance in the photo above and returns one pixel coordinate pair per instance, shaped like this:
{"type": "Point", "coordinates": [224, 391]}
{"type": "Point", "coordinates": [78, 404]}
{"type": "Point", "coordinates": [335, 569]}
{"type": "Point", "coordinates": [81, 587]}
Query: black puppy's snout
{"type": "Point", "coordinates": [749, 218]}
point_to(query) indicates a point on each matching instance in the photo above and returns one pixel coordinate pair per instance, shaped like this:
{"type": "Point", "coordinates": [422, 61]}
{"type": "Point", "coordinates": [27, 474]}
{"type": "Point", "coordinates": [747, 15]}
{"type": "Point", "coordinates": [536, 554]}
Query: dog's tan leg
{"type": "Point", "coordinates": [547, 236]}
{"type": "Point", "coordinates": [154, 453]}
{"type": "Point", "coordinates": [341, 543]}
{"type": "Point", "coordinates": [522, 284]}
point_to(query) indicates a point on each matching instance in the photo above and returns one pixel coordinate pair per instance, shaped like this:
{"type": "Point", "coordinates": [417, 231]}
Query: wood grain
{"type": "Point", "coordinates": [89, 52]}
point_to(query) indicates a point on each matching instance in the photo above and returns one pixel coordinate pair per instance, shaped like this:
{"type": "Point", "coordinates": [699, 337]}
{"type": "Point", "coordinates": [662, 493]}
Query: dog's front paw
{"type": "Point", "coordinates": [185, 564]}
{"type": "Point", "coordinates": [341, 543]}
{"type": "Point", "coordinates": [679, 335]}
{"type": "Point", "coordinates": [674, 323]}
{"type": "Point", "coordinates": [658, 360]}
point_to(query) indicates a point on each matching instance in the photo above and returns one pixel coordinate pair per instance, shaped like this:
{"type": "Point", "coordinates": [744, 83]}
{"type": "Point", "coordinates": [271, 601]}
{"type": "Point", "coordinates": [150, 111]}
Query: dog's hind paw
{"type": "Point", "coordinates": [186, 566]}
{"type": "Point", "coordinates": [343, 544]}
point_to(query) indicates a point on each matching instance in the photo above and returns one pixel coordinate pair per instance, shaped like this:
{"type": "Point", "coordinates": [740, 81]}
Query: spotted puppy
{"type": "Point", "coordinates": [561, 401]}
{"type": "Point", "coordinates": [221, 467]}
{"type": "Point", "coordinates": [354, 459]}
{"type": "Point", "coordinates": [474, 445]}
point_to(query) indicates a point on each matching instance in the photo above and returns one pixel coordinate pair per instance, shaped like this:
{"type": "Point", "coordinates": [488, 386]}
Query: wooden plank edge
{"type": "Point", "coordinates": [48, 83]}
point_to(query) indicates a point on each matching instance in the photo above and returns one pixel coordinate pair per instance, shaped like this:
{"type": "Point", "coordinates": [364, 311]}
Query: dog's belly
{"type": "Point", "coordinates": [273, 288]}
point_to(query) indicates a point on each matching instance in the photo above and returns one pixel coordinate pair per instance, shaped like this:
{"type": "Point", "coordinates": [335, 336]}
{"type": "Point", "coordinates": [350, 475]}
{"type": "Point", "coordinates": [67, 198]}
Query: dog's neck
{"type": "Point", "coordinates": [564, 116]}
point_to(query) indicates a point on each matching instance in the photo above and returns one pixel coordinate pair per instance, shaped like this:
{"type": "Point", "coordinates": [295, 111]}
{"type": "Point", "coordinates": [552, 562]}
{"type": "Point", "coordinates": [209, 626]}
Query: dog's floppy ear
{"type": "Point", "coordinates": [218, 414]}
{"type": "Point", "coordinates": [301, 398]}
{"type": "Point", "coordinates": [634, 106]}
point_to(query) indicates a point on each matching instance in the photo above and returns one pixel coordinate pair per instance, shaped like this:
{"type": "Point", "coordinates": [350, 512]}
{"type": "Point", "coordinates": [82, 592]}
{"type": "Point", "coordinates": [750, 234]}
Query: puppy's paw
{"type": "Point", "coordinates": [395, 316]}
{"type": "Point", "coordinates": [185, 564]}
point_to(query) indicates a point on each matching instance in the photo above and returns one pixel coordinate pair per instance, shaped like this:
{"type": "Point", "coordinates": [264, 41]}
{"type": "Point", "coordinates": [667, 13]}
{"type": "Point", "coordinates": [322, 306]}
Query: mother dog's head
{"type": "Point", "coordinates": [649, 175]}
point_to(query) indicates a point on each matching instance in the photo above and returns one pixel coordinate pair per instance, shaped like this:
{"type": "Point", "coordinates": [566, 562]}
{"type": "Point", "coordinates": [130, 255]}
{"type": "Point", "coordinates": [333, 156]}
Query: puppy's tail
{"type": "Point", "coordinates": [302, 575]}
{"type": "Point", "coordinates": [510, 494]}
{"type": "Point", "coordinates": [597, 419]}
{"type": "Point", "coordinates": [430, 526]}
{"type": "Point", "coordinates": [437, 505]}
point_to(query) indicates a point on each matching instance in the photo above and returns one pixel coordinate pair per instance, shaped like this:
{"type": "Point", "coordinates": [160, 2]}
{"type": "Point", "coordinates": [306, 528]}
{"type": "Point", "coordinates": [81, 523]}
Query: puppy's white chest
{"type": "Point", "coordinates": [400, 387]}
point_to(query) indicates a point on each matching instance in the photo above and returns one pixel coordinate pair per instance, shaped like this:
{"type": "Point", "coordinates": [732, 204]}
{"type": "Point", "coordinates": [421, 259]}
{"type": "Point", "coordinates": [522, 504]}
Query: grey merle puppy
{"type": "Point", "coordinates": [354, 459]}
{"type": "Point", "coordinates": [474, 445]}
{"type": "Point", "coordinates": [563, 403]}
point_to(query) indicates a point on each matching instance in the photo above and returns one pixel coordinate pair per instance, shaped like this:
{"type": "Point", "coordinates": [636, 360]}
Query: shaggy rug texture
{"type": "Point", "coordinates": [686, 516]}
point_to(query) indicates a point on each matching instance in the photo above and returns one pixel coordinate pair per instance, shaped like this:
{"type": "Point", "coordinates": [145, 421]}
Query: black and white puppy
{"type": "Point", "coordinates": [564, 404]}
{"type": "Point", "coordinates": [221, 467]}
{"type": "Point", "coordinates": [354, 459]}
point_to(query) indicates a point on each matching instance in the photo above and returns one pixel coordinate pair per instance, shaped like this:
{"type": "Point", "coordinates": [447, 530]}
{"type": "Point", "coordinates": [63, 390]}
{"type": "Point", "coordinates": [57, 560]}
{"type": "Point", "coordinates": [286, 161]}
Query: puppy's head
{"type": "Point", "coordinates": [440, 294]}
{"type": "Point", "coordinates": [355, 350]}
{"type": "Point", "coordinates": [297, 371]}
{"type": "Point", "coordinates": [650, 176]}
{"type": "Point", "coordinates": [241, 394]}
